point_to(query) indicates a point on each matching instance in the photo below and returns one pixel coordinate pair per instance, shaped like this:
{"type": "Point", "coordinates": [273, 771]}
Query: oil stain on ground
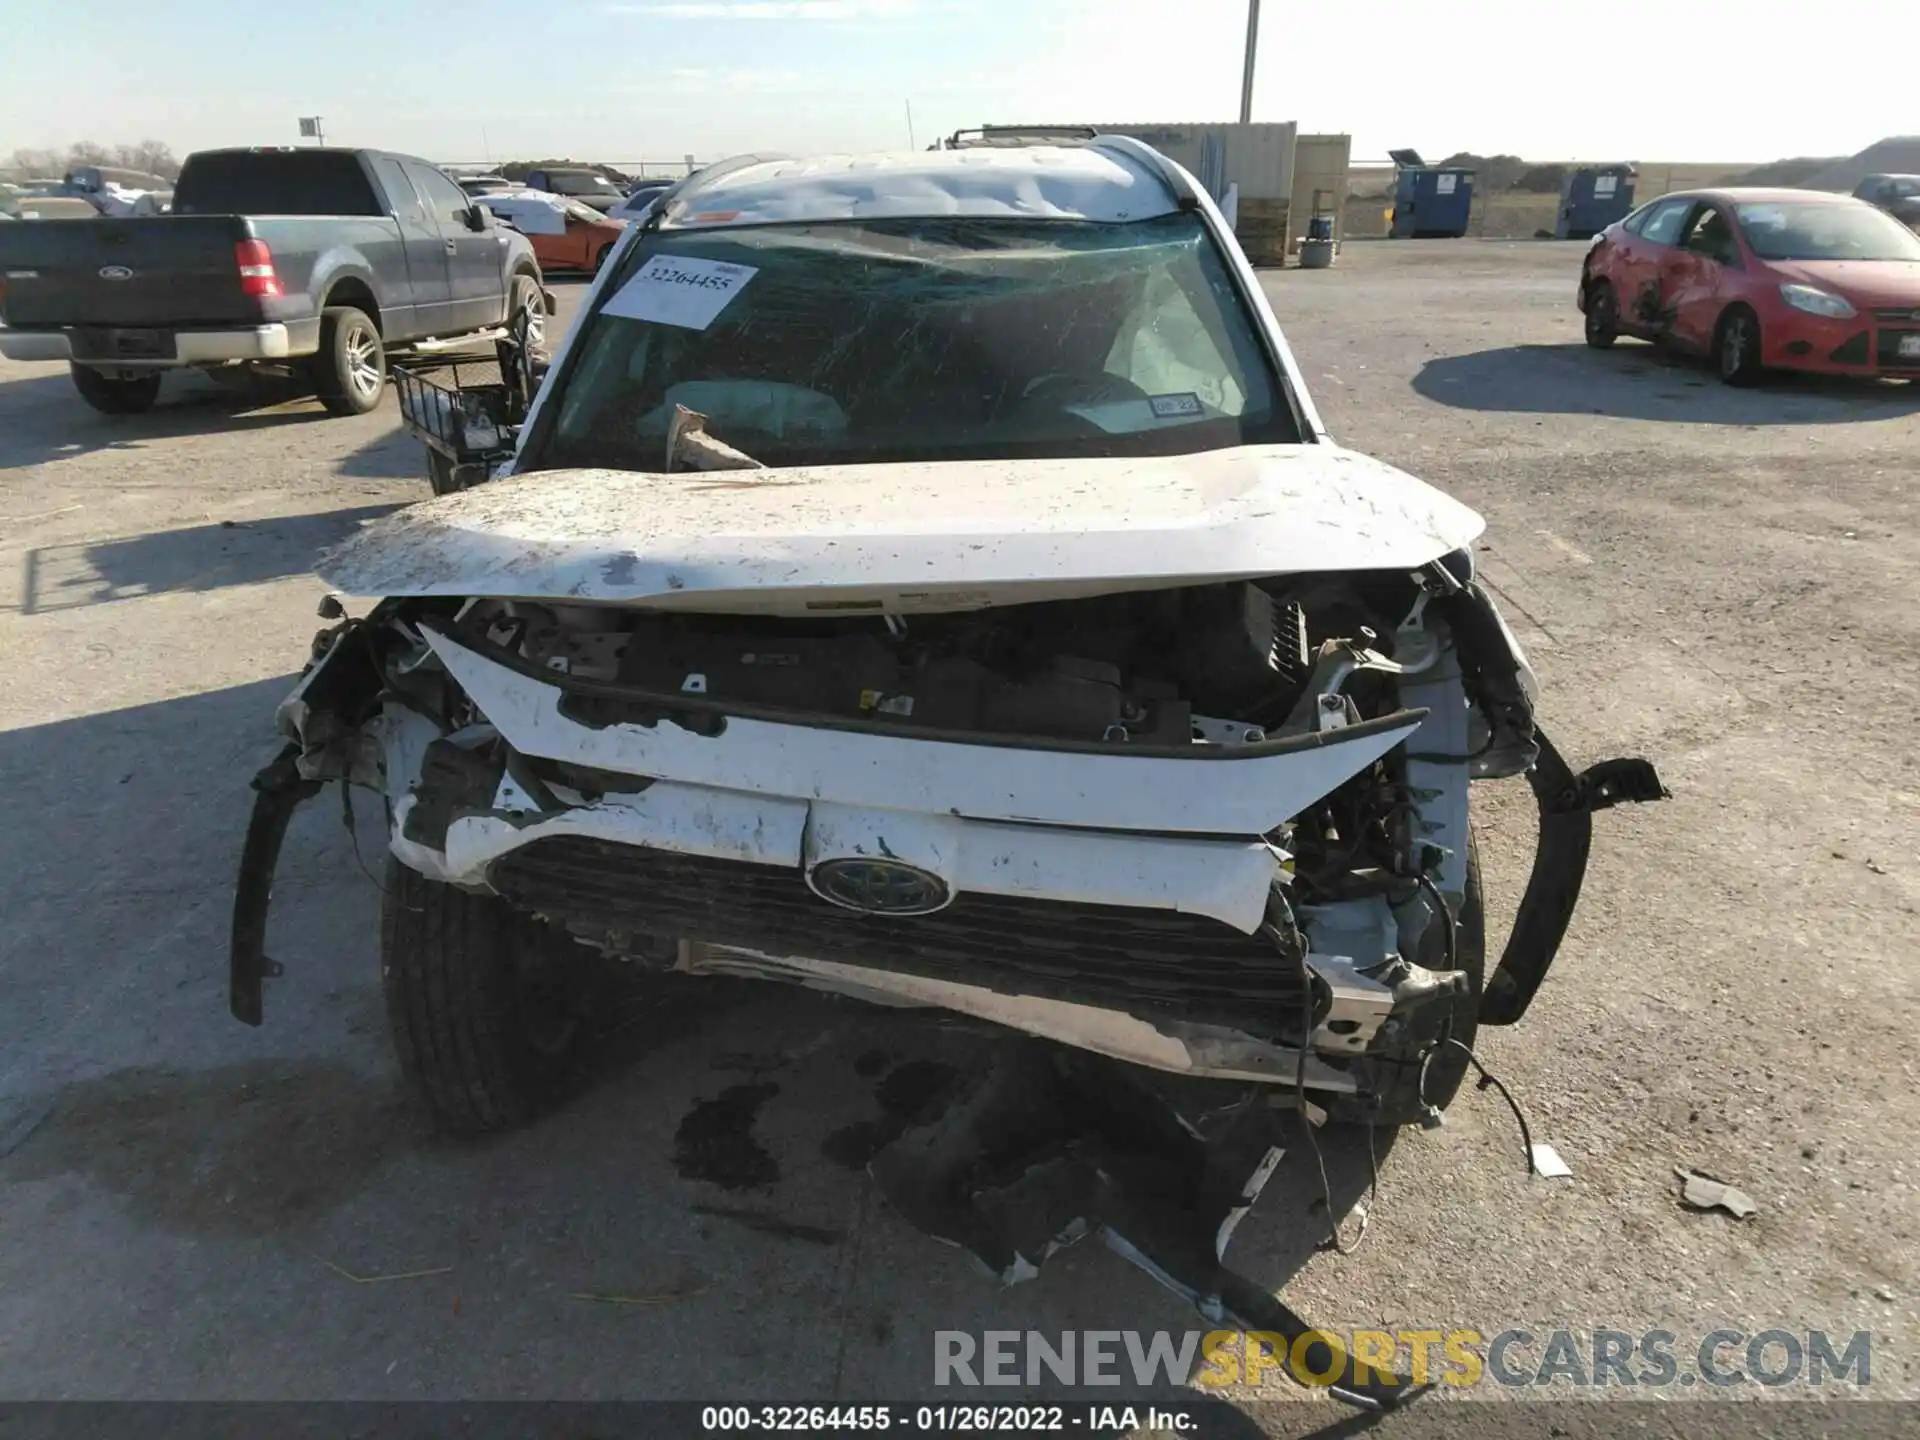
{"type": "Point", "coordinates": [906, 1091]}
{"type": "Point", "coordinates": [236, 1149]}
{"type": "Point", "coordinates": [715, 1141]}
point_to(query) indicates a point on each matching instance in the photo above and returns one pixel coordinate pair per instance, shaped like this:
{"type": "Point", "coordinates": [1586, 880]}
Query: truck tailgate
{"type": "Point", "coordinates": [162, 270]}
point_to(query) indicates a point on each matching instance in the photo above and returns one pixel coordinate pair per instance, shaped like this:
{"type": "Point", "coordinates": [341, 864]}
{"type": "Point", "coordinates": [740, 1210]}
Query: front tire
{"type": "Point", "coordinates": [350, 372]}
{"type": "Point", "coordinates": [116, 394]}
{"type": "Point", "coordinates": [1603, 315]}
{"type": "Point", "coordinates": [486, 1005]}
{"type": "Point", "coordinates": [1736, 347]}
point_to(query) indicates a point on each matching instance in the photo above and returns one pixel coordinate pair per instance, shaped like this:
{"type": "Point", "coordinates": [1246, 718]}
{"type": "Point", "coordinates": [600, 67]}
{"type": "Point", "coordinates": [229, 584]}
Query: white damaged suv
{"type": "Point", "coordinates": [925, 577]}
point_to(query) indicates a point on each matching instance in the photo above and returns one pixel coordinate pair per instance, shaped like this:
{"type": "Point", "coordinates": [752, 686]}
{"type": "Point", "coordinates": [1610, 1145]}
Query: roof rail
{"type": "Point", "coordinates": [1011, 135]}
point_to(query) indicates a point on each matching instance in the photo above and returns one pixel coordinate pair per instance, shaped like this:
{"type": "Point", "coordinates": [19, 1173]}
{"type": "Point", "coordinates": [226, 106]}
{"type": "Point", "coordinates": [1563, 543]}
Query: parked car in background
{"type": "Point", "coordinates": [113, 190]}
{"type": "Point", "coordinates": [319, 260]}
{"type": "Point", "coordinates": [565, 234]}
{"type": "Point", "coordinates": [589, 187]}
{"type": "Point", "coordinates": [1759, 280]}
{"type": "Point", "coordinates": [90, 178]}
{"type": "Point", "coordinates": [49, 207]}
{"type": "Point", "coordinates": [1898, 195]}
{"type": "Point", "coordinates": [488, 184]}
{"type": "Point", "coordinates": [640, 199]}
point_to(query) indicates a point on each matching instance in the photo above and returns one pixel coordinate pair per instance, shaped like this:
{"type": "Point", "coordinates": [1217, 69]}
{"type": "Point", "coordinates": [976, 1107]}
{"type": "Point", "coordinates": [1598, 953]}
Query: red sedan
{"type": "Point", "coordinates": [566, 235]}
{"type": "Point", "coordinates": [1759, 280]}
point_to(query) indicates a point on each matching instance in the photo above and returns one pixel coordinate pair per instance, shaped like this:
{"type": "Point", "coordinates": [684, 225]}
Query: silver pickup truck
{"type": "Point", "coordinates": [325, 261]}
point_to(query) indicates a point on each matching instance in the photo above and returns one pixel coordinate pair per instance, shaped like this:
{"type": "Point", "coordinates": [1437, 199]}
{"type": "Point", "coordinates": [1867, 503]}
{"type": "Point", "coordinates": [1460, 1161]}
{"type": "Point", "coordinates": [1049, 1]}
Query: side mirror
{"type": "Point", "coordinates": [479, 217]}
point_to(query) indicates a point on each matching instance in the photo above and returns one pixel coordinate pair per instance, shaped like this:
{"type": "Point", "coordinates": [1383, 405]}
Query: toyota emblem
{"type": "Point", "coordinates": [879, 887]}
{"type": "Point", "coordinates": [115, 272]}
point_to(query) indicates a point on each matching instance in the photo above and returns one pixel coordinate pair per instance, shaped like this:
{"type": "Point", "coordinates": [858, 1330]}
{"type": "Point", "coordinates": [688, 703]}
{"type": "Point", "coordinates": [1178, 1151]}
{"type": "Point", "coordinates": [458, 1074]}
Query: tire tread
{"type": "Point", "coordinates": [446, 972]}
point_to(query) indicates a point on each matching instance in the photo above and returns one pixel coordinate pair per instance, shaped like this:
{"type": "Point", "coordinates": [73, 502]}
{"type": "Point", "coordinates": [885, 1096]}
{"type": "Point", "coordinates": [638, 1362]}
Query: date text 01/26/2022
{"type": "Point", "coordinates": [947, 1419]}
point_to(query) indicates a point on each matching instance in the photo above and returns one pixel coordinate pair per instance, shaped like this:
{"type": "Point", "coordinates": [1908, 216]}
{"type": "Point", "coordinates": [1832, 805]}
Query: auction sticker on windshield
{"type": "Point", "coordinates": [680, 290]}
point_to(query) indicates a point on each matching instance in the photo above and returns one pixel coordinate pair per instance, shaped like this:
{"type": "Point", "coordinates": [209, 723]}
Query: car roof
{"type": "Point", "coordinates": [1110, 179]}
{"type": "Point", "coordinates": [349, 150]}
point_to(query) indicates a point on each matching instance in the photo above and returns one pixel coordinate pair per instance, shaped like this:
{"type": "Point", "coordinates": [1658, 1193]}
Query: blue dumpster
{"type": "Point", "coordinates": [1429, 201]}
{"type": "Point", "coordinates": [1593, 198]}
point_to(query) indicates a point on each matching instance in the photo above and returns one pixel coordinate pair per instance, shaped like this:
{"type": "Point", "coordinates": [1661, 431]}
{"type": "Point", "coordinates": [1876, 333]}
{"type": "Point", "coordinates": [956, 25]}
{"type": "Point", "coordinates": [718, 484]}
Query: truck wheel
{"type": "Point", "coordinates": [1402, 1098]}
{"type": "Point", "coordinates": [350, 371]}
{"type": "Point", "coordinates": [525, 298]}
{"type": "Point", "coordinates": [486, 1005]}
{"type": "Point", "coordinates": [116, 394]}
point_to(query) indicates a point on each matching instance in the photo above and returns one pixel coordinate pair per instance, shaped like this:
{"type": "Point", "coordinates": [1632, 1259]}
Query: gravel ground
{"type": "Point", "coordinates": [1722, 581]}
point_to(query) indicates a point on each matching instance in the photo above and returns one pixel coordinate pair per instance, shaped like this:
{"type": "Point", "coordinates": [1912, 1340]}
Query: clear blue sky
{"type": "Point", "coordinates": [655, 79]}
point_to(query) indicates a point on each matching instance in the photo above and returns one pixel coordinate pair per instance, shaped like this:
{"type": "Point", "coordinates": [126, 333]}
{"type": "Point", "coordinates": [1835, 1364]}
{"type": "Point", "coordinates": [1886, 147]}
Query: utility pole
{"type": "Point", "coordinates": [912, 144]}
{"type": "Point", "coordinates": [1253, 44]}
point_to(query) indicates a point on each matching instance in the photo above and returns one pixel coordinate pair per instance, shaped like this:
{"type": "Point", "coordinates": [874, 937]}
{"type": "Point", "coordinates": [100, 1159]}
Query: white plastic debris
{"type": "Point", "coordinates": [1548, 1165]}
{"type": "Point", "coordinates": [531, 212]}
{"type": "Point", "coordinates": [1703, 1192]}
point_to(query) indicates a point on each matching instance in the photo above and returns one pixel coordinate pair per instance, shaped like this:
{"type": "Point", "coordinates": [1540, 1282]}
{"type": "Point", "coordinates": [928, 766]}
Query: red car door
{"type": "Point", "coordinates": [1637, 271]}
{"type": "Point", "coordinates": [579, 235]}
{"type": "Point", "coordinates": [1698, 277]}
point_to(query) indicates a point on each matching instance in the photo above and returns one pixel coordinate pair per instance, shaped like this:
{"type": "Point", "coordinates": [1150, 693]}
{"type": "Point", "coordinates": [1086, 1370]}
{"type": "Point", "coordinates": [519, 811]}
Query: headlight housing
{"type": "Point", "coordinates": [1817, 302]}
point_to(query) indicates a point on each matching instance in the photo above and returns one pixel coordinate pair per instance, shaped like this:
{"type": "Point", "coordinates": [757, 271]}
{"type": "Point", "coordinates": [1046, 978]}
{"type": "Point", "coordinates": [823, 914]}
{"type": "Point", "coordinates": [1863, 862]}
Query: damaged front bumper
{"type": "Point", "coordinates": [1108, 899]}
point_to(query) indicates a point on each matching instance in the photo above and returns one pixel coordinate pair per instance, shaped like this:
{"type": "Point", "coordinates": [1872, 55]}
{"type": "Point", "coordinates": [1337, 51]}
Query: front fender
{"type": "Point", "coordinates": [325, 720]}
{"type": "Point", "coordinates": [1566, 803]}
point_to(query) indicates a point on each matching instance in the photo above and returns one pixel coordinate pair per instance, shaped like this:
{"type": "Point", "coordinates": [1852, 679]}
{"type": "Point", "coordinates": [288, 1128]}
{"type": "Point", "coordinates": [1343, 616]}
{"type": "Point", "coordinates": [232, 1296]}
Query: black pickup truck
{"type": "Point", "coordinates": [319, 261]}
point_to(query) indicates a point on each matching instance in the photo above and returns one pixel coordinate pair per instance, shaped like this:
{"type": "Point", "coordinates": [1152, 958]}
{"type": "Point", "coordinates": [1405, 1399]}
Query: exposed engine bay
{"type": "Point", "coordinates": [1122, 668]}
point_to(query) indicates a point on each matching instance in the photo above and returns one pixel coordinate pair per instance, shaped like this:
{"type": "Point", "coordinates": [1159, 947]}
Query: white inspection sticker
{"type": "Point", "coordinates": [680, 290]}
{"type": "Point", "coordinates": [1173, 407]}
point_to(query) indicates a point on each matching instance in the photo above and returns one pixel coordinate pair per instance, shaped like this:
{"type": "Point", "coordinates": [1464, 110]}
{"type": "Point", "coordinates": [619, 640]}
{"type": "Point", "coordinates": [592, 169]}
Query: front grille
{"type": "Point", "coordinates": [1890, 356]}
{"type": "Point", "coordinates": [1146, 962]}
{"type": "Point", "coordinates": [1904, 315]}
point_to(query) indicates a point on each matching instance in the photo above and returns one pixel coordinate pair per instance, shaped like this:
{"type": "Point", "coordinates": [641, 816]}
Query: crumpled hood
{"type": "Point", "coordinates": [908, 537]}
